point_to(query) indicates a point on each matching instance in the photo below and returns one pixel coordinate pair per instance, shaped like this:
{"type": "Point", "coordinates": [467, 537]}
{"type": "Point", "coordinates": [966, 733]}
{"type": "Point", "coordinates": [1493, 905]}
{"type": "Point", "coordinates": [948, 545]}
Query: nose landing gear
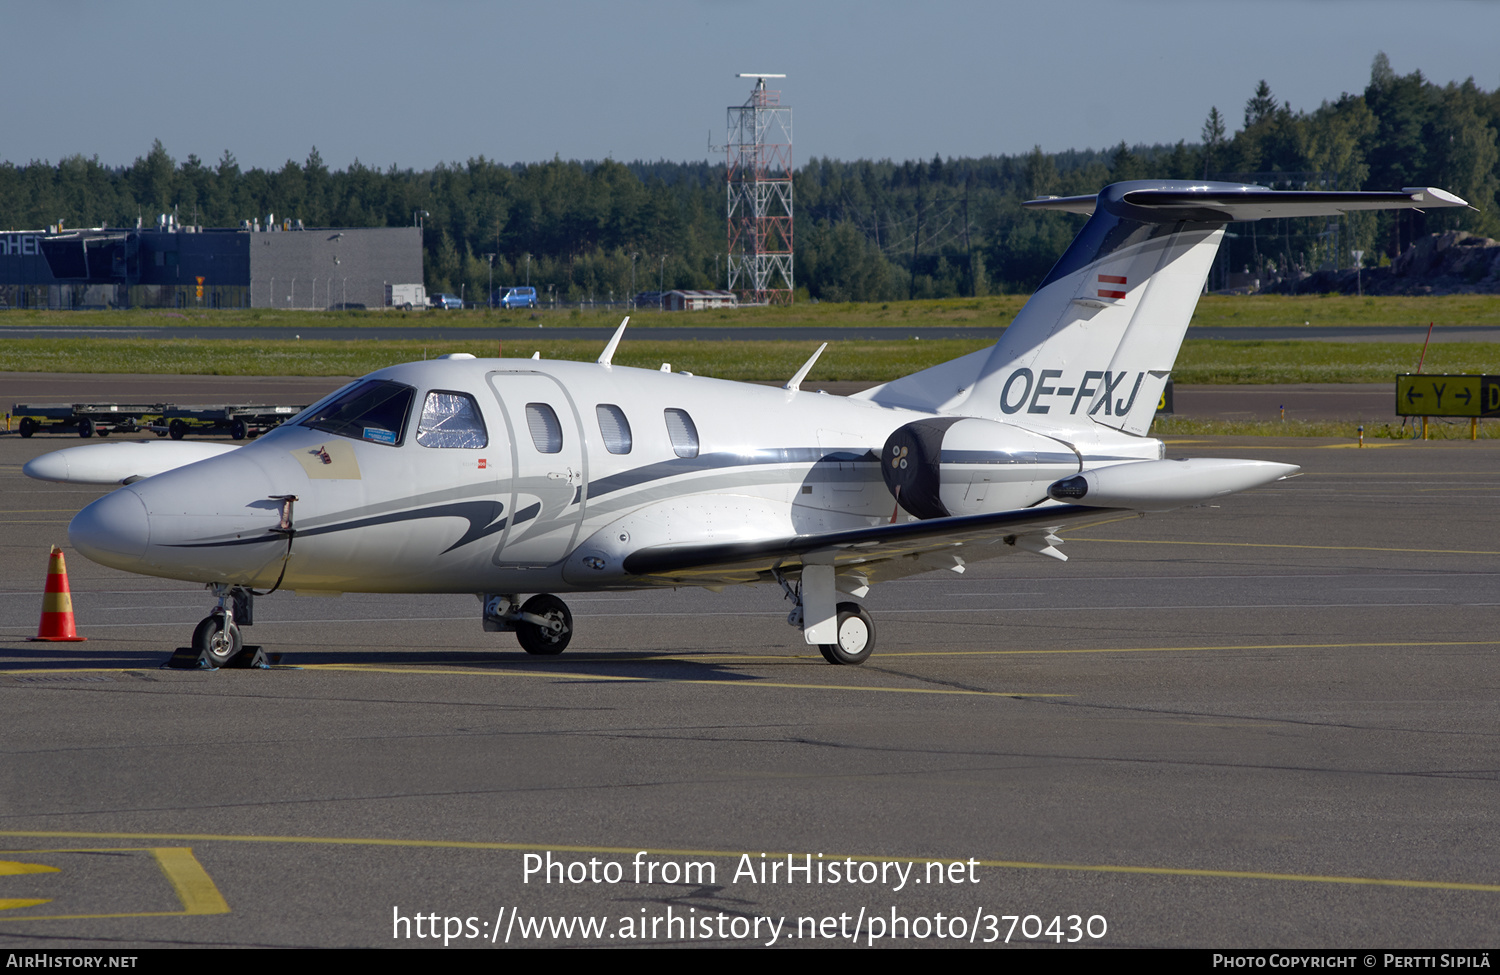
{"type": "Point", "coordinates": [217, 641]}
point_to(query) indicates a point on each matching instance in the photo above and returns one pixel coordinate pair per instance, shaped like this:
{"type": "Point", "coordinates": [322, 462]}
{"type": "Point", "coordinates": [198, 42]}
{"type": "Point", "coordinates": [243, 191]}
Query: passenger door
{"type": "Point", "coordinates": [547, 456]}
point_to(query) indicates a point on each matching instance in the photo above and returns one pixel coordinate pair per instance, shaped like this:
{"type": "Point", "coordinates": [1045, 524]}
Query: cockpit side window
{"type": "Point", "coordinates": [451, 419]}
{"type": "Point", "coordinates": [374, 411]}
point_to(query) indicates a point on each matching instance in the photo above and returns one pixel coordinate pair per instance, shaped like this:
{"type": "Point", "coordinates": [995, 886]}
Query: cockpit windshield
{"type": "Point", "coordinates": [375, 410]}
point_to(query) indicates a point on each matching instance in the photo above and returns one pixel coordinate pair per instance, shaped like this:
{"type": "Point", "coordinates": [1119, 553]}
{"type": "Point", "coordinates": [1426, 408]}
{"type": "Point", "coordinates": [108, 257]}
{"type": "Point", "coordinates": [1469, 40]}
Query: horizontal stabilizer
{"type": "Point", "coordinates": [1218, 203]}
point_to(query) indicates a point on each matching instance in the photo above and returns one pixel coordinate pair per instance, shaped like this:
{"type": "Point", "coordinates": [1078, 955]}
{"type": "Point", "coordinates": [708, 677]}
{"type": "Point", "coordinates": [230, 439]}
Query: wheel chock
{"type": "Point", "coordinates": [186, 658]}
{"type": "Point", "coordinates": [252, 657]}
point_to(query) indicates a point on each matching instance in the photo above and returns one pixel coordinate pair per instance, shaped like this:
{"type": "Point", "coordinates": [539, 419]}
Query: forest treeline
{"type": "Point", "coordinates": [864, 230]}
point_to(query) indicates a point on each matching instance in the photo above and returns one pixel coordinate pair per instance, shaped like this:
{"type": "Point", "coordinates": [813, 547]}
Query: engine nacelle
{"type": "Point", "coordinates": [965, 466]}
{"type": "Point", "coordinates": [1160, 485]}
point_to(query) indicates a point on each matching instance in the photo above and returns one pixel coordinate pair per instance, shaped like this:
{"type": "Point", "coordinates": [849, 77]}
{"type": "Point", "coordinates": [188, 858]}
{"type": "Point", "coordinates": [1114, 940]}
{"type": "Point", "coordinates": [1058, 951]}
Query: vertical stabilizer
{"type": "Point", "coordinates": [1097, 341]}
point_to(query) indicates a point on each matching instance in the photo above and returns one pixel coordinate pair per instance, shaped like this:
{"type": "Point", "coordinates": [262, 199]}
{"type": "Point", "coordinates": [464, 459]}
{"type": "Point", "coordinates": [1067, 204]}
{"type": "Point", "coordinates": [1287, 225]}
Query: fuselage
{"type": "Point", "coordinates": [506, 475]}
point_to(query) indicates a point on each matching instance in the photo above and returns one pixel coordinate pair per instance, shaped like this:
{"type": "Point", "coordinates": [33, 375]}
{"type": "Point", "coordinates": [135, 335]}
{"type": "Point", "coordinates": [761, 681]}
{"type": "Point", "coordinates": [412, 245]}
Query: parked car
{"type": "Point", "coordinates": [519, 297]}
{"type": "Point", "coordinates": [447, 301]}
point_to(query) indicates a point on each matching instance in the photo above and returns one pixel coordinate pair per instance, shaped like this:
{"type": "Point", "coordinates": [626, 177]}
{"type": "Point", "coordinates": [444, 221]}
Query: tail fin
{"type": "Point", "coordinates": [1095, 343]}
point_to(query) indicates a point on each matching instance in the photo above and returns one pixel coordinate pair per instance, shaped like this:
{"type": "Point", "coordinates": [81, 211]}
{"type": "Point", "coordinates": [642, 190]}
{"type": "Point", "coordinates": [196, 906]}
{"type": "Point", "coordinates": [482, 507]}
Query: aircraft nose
{"type": "Point", "coordinates": [112, 531]}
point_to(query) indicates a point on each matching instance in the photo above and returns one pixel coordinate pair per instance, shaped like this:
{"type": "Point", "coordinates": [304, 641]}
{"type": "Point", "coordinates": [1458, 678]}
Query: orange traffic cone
{"type": "Point", "coordinates": [57, 605]}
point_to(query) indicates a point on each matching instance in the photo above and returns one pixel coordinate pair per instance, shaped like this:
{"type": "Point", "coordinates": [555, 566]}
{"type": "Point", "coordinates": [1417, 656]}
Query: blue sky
{"type": "Point", "coordinates": [409, 84]}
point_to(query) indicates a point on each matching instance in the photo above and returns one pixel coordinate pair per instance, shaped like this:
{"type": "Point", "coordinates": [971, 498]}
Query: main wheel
{"type": "Point", "coordinates": [856, 636]}
{"type": "Point", "coordinates": [28, 426]}
{"type": "Point", "coordinates": [216, 641]}
{"type": "Point", "coordinates": [85, 428]}
{"type": "Point", "coordinates": [543, 640]}
{"type": "Point", "coordinates": [178, 428]}
{"type": "Point", "coordinates": [238, 429]}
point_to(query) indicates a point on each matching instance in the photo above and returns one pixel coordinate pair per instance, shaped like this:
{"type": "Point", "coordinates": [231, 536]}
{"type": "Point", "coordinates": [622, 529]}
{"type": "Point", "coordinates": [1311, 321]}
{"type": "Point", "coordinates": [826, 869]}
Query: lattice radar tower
{"type": "Point", "coordinates": [759, 205]}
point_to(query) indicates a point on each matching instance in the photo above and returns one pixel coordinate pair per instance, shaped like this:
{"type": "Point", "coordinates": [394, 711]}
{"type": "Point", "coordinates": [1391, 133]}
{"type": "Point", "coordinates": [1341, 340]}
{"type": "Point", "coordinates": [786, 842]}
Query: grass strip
{"type": "Point", "coordinates": [1200, 362]}
{"type": "Point", "coordinates": [991, 310]}
{"type": "Point", "coordinates": [853, 360]}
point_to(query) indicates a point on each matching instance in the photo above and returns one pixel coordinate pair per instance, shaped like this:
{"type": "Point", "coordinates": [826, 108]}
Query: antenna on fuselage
{"type": "Point", "coordinates": [795, 383]}
{"type": "Point", "coordinates": [607, 356]}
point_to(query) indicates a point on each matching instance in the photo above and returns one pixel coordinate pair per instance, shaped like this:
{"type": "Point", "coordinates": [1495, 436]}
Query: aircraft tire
{"type": "Point", "coordinates": [535, 639]}
{"type": "Point", "coordinates": [215, 641]}
{"type": "Point", "coordinates": [856, 636]}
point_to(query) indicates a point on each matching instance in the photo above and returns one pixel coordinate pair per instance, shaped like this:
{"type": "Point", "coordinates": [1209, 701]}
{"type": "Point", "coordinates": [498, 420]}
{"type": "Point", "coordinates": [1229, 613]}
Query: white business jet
{"type": "Point", "coordinates": [504, 477]}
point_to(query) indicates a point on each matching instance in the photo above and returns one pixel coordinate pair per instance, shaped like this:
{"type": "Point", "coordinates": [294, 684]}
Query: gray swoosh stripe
{"type": "Point", "coordinates": [721, 460]}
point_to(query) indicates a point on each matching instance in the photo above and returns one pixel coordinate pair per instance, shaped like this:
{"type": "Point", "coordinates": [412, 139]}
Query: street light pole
{"type": "Point", "coordinates": [491, 296]}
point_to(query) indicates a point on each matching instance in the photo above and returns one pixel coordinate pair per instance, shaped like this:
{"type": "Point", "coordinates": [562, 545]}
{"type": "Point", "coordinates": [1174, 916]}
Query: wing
{"type": "Point", "coordinates": [121, 462]}
{"type": "Point", "coordinates": [880, 553]}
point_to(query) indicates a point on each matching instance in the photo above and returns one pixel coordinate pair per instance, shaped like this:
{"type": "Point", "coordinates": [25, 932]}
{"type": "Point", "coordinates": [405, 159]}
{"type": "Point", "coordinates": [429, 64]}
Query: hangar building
{"type": "Point", "coordinates": [176, 266]}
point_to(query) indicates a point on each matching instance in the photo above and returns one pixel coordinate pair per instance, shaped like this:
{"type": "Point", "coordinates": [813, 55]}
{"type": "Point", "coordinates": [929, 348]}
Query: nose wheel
{"type": "Point", "coordinates": [217, 639]}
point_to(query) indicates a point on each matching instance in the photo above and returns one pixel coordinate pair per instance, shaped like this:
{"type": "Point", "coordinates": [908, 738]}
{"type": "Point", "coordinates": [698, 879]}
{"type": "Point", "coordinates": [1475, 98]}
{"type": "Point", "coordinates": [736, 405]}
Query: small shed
{"type": "Point", "coordinates": [699, 300]}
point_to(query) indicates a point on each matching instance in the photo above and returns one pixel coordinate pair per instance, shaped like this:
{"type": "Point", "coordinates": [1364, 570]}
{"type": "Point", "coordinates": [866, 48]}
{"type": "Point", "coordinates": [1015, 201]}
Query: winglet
{"type": "Point", "coordinates": [608, 354]}
{"type": "Point", "coordinates": [795, 383]}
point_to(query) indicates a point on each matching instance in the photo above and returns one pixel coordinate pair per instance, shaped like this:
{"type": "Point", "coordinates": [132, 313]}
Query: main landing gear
{"type": "Point", "coordinates": [543, 625]}
{"type": "Point", "coordinates": [842, 631]}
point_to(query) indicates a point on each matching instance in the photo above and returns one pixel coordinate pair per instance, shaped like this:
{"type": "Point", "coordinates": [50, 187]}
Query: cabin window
{"type": "Point", "coordinates": [546, 431]}
{"type": "Point", "coordinates": [451, 420]}
{"type": "Point", "coordinates": [683, 433]}
{"type": "Point", "coordinates": [374, 411]}
{"type": "Point", "coordinates": [614, 428]}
